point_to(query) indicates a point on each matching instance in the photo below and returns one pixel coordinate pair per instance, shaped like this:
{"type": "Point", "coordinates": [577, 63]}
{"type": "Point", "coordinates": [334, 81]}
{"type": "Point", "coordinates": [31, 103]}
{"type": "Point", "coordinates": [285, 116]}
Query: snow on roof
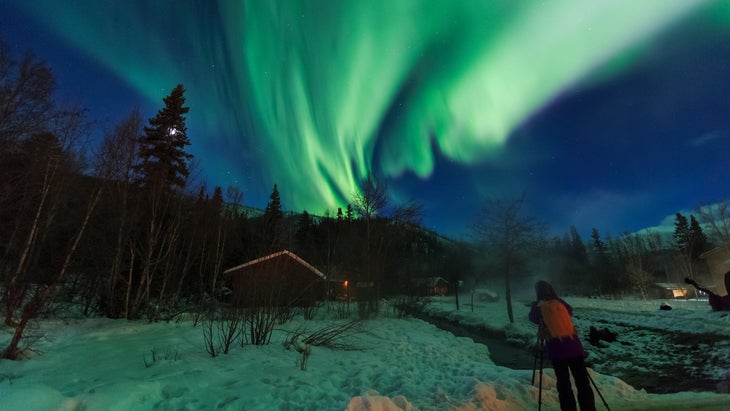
{"type": "Point", "coordinates": [429, 281]}
{"type": "Point", "coordinates": [672, 286]}
{"type": "Point", "coordinates": [274, 256]}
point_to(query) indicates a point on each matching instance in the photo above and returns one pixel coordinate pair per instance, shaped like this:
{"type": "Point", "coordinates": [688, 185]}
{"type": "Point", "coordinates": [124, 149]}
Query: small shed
{"type": "Point", "coordinates": [670, 290]}
{"type": "Point", "coordinates": [431, 286]}
{"type": "Point", "coordinates": [278, 279]}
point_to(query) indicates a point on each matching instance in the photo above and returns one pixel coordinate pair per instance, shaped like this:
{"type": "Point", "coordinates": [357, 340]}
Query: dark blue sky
{"type": "Point", "coordinates": [603, 122]}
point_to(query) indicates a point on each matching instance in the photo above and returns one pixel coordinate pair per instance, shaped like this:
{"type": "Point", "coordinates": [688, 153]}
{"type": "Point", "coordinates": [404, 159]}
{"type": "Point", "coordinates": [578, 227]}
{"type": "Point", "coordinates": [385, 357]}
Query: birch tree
{"type": "Point", "coordinates": [509, 237]}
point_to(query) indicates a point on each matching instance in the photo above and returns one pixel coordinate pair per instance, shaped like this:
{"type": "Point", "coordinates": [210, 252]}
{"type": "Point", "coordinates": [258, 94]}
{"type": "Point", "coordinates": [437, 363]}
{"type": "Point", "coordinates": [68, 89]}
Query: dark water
{"type": "Point", "coordinates": [501, 353]}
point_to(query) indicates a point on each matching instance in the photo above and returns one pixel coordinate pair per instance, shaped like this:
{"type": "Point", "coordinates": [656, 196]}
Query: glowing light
{"type": "Point", "coordinates": [334, 90]}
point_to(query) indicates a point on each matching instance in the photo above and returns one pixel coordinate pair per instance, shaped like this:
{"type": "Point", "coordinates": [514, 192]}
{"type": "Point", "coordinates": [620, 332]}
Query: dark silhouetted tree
{"type": "Point", "coordinates": [273, 213]}
{"type": "Point", "coordinates": [681, 233]}
{"type": "Point", "coordinates": [273, 230]}
{"type": "Point", "coordinates": [689, 243]}
{"type": "Point", "coordinates": [43, 245]}
{"type": "Point", "coordinates": [163, 159]}
{"type": "Point", "coordinates": [508, 237]}
{"type": "Point", "coordinates": [575, 269]}
{"type": "Point", "coordinates": [698, 240]}
{"type": "Point", "coordinates": [368, 203]}
{"type": "Point", "coordinates": [43, 213]}
{"type": "Point", "coordinates": [305, 236]}
{"type": "Point", "coordinates": [606, 276]}
{"type": "Point", "coordinates": [162, 166]}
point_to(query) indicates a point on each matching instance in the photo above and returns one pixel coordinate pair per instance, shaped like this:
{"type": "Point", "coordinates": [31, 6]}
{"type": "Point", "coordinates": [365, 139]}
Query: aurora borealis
{"type": "Point", "coordinates": [591, 108]}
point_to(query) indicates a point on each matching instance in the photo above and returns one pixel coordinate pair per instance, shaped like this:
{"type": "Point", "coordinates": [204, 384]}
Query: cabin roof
{"type": "Point", "coordinates": [281, 254]}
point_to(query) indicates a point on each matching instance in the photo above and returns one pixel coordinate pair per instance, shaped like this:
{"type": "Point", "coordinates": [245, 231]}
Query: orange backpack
{"type": "Point", "coordinates": [556, 319]}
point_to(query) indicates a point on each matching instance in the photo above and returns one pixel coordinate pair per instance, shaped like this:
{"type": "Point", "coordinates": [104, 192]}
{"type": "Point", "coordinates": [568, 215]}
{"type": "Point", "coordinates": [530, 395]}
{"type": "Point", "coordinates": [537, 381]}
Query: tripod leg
{"type": "Point", "coordinates": [534, 364]}
{"type": "Point", "coordinates": [539, 395]}
{"type": "Point", "coordinates": [596, 388]}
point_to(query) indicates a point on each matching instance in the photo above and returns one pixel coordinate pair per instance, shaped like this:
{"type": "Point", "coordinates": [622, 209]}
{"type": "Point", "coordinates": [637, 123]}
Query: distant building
{"type": "Point", "coordinates": [669, 290]}
{"type": "Point", "coordinates": [429, 286]}
{"type": "Point", "coordinates": [342, 287]}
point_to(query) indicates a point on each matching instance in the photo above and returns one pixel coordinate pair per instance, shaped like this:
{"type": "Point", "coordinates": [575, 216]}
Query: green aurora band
{"type": "Point", "coordinates": [331, 91]}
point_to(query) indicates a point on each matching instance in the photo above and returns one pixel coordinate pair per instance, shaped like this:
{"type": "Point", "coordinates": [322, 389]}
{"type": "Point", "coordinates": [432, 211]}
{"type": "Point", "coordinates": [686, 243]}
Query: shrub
{"type": "Point", "coordinates": [170, 354]}
{"type": "Point", "coordinates": [221, 327]}
{"type": "Point", "coordinates": [410, 306]}
{"type": "Point", "coordinates": [331, 336]}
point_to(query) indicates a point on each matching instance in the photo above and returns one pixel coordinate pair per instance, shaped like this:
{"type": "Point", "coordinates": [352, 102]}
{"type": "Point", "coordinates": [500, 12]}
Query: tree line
{"type": "Point", "coordinates": [122, 230]}
{"type": "Point", "coordinates": [515, 247]}
{"type": "Point", "coordinates": [119, 230]}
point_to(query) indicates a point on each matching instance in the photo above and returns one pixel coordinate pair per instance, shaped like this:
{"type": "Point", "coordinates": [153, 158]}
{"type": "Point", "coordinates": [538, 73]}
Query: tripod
{"type": "Point", "coordinates": [541, 344]}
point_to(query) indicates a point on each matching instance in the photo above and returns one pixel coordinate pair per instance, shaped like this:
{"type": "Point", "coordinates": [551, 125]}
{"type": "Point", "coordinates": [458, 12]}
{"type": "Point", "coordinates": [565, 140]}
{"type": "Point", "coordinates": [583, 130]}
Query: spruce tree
{"type": "Point", "coordinates": [690, 242]}
{"type": "Point", "coordinates": [273, 213]}
{"type": "Point", "coordinates": [162, 167]}
{"type": "Point", "coordinates": [599, 247]}
{"type": "Point", "coordinates": [273, 230]}
{"type": "Point", "coordinates": [601, 259]}
{"type": "Point", "coordinates": [698, 239]}
{"type": "Point", "coordinates": [304, 234]}
{"type": "Point", "coordinates": [340, 216]}
{"type": "Point", "coordinates": [602, 266]}
{"type": "Point", "coordinates": [216, 202]}
{"type": "Point", "coordinates": [163, 159]}
{"type": "Point", "coordinates": [681, 232]}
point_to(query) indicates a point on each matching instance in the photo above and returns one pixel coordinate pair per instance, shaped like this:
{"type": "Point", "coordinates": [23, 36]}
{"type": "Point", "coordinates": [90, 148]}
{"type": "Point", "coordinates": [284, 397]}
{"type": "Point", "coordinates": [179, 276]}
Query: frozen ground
{"type": "Point", "coordinates": [398, 364]}
{"type": "Point", "coordinates": [686, 348]}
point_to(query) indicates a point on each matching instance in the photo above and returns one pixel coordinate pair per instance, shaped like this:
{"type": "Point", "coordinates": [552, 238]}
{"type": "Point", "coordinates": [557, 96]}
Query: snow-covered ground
{"type": "Point", "coordinates": [396, 364]}
{"type": "Point", "coordinates": [686, 348]}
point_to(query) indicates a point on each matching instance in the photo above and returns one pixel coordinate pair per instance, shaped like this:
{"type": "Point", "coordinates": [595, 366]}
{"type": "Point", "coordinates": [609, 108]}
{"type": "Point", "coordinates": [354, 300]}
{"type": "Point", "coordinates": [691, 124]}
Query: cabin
{"type": "Point", "coordinates": [430, 286]}
{"type": "Point", "coordinates": [670, 290]}
{"type": "Point", "coordinates": [279, 279]}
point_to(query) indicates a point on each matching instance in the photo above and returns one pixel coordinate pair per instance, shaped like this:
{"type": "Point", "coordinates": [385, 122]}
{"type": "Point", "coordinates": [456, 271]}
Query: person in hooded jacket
{"type": "Point", "coordinates": [566, 354]}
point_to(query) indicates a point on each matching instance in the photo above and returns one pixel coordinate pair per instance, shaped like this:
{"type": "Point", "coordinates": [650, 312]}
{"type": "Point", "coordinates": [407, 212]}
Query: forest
{"type": "Point", "coordinates": [120, 228]}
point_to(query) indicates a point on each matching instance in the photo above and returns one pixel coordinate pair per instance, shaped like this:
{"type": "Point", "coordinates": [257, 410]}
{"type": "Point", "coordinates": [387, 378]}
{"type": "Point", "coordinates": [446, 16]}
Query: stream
{"type": "Point", "coordinates": [500, 352]}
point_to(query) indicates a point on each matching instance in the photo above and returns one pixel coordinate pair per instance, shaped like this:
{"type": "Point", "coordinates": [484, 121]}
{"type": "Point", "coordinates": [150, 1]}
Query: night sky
{"type": "Point", "coordinates": [612, 114]}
